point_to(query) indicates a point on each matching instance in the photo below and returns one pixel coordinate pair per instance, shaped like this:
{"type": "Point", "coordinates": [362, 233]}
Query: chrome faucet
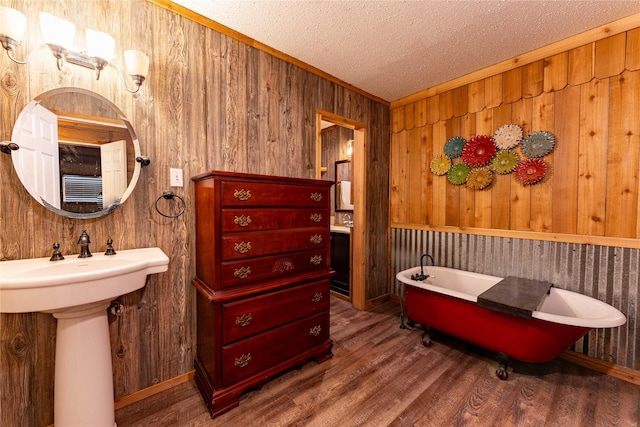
{"type": "Point", "coordinates": [348, 222]}
{"type": "Point", "coordinates": [84, 241]}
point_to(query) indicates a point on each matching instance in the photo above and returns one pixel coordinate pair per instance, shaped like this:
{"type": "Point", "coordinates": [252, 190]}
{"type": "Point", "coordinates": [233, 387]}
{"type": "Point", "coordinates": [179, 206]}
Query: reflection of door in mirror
{"type": "Point", "coordinates": [113, 160]}
{"type": "Point", "coordinates": [39, 168]}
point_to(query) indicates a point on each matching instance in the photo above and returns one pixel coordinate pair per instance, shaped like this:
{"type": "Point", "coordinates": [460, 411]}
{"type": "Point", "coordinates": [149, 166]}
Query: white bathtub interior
{"type": "Point", "coordinates": [456, 283]}
{"type": "Point", "coordinates": [570, 308]}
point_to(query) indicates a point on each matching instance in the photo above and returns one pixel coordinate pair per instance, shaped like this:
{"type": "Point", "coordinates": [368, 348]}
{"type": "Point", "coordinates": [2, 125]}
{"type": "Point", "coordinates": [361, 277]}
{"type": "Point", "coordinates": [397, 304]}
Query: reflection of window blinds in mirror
{"type": "Point", "coordinates": [82, 189]}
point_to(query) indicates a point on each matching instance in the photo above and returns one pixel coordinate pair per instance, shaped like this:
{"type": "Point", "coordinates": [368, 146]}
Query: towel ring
{"type": "Point", "coordinates": [169, 195]}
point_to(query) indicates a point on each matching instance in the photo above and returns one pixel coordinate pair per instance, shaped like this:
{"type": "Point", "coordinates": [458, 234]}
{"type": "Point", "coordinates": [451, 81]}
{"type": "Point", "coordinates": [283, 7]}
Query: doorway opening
{"type": "Point", "coordinates": [354, 133]}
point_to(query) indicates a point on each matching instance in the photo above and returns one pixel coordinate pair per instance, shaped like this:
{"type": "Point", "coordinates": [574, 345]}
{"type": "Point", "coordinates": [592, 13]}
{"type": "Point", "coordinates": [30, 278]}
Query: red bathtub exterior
{"type": "Point", "coordinates": [521, 339]}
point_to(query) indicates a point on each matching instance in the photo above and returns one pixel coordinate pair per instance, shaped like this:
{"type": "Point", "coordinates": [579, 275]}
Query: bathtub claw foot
{"type": "Point", "coordinates": [502, 372]}
{"type": "Point", "coordinates": [426, 335]}
{"type": "Point", "coordinates": [426, 340]}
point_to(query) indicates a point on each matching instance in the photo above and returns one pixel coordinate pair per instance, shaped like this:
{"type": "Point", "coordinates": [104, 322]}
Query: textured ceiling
{"type": "Point", "coordinates": [392, 49]}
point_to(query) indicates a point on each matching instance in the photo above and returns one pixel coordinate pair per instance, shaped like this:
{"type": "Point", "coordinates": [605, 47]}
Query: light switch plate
{"type": "Point", "coordinates": [176, 177]}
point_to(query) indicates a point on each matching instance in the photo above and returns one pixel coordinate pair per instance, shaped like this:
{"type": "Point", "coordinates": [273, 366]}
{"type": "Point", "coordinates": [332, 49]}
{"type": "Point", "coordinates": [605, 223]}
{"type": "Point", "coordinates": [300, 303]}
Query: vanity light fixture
{"type": "Point", "coordinates": [58, 35]}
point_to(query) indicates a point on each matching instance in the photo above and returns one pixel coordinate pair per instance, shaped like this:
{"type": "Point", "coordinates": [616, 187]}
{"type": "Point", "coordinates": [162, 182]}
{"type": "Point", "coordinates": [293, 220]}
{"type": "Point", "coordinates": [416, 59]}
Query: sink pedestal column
{"type": "Point", "coordinates": [83, 391]}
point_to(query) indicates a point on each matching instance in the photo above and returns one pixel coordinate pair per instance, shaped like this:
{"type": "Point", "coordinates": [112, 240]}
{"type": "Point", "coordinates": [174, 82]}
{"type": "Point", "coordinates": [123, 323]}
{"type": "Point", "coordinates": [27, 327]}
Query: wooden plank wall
{"type": "Point", "coordinates": [210, 102]}
{"type": "Point", "coordinates": [589, 97]}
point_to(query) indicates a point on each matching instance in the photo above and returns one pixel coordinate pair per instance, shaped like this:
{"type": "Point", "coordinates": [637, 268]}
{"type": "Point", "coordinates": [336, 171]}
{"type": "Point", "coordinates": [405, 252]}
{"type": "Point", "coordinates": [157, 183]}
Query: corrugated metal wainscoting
{"type": "Point", "coordinates": [610, 274]}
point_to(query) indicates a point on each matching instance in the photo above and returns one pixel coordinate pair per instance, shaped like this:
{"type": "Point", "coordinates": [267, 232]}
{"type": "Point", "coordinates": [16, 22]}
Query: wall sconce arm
{"type": "Point", "coordinates": [9, 45]}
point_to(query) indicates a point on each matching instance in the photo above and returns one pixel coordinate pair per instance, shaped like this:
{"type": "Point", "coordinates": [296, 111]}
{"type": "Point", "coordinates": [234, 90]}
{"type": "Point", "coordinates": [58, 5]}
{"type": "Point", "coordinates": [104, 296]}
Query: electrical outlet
{"type": "Point", "coordinates": [176, 177]}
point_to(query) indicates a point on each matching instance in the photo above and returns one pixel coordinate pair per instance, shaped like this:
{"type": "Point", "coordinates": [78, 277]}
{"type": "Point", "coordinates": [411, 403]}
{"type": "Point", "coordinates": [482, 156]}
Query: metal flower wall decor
{"type": "Point", "coordinates": [473, 162]}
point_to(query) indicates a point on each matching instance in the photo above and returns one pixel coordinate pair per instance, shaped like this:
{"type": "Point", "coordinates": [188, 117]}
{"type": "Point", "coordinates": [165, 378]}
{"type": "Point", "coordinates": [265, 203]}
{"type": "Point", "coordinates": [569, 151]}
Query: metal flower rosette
{"type": "Point", "coordinates": [483, 156]}
{"type": "Point", "coordinates": [440, 164]}
{"type": "Point", "coordinates": [478, 151]}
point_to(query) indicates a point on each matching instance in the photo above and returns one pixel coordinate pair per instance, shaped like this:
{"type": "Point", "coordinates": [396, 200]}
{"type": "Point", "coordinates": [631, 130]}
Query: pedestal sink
{"type": "Point", "coordinates": [77, 292]}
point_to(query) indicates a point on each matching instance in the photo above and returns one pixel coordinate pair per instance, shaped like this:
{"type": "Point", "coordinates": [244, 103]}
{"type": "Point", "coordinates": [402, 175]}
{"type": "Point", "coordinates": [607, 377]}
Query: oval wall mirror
{"type": "Point", "coordinates": [77, 153]}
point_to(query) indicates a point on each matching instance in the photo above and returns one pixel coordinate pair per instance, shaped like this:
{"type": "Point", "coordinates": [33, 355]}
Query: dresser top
{"type": "Point", "coordinates": [238, 176]}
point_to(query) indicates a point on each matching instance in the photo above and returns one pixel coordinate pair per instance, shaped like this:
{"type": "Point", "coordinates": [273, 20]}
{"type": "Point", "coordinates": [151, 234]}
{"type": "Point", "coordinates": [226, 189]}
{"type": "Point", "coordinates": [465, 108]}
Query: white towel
{"type": "Point", "coordinates": [344, 194]}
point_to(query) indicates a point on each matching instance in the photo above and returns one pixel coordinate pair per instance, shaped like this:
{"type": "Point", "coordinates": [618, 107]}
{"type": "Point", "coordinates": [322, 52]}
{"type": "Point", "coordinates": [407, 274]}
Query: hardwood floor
{"type": "Point", "coordinates": [382, 375]}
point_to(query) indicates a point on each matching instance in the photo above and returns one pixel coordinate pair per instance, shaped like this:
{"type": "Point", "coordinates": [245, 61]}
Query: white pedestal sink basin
{"type": "Point", "coordinates": [78, 291]}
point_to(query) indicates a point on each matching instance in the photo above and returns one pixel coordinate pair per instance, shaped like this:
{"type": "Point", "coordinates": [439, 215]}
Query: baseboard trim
{"type": "Point", "coordinates": [153, 390]}
{"type": "Point", "coordinates": [605, 367]}
{"type": "Point", "coordinates": [374, 302]}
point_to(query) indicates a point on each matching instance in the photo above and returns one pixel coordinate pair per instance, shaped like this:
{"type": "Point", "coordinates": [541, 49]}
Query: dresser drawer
{"type": "Point", "coordinates": [249, 245]}
{"type": "Point", "coordinates": [254, 219]}
{"type": "Point", "coordinates": [248, 317]}
{"type": "Point", "coordinates": [252, 355]}
{"type": "Point", "coordinates": [241, 272]}
{"type": "Point", "coordinates": [247, 193]}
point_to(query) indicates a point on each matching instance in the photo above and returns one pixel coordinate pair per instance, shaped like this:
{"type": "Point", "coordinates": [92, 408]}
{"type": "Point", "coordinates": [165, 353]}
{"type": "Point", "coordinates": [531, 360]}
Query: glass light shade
{"type": "Point", "coordinates": [12, 23]}
{"type": "Point", "coordinates": [137, 62]}
{"type": "Point", "coordinates": [57, 31]}
{"type": "Point", "coordinates": [100, 45]}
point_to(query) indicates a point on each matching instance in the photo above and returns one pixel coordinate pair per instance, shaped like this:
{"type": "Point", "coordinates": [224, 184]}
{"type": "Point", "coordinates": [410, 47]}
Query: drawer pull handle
{"type": "Point", "coordinates": [316, 217]}
{"type": "Point", "coordinates": [244, 320]}
{"type": "Point", "coordinates": [242, 195]}
{"type": "Point", "coordinates": [315, 331]}
{"type": "Point", "coordinates": [316, 239]}
{"type": "Point", "coordinates": [243, 360]}
{"type": "Point", "coordinates": [316, 197]}
{"type": "Point", "coordinates": [317, 297]}
{"type": "Point", "coordinates": [316, 259]}
{"type": "Point", "coordinates": [242, 220]}
{"type": "Point", "coordinates": [242, 247]}
{"type": "Point", "coordinates": [242, 272]}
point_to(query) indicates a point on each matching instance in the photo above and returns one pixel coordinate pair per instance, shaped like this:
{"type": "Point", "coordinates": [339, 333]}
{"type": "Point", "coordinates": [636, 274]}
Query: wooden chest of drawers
{"type": "Point", "coordinates": [262, 274]}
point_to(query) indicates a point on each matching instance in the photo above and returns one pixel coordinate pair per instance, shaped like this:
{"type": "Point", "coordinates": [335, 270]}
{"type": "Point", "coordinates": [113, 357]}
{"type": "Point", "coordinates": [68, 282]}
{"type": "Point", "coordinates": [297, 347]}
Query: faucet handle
{"type": "Point", "coordinates": [57, 255]}
{"type": "Point", "coordinates": [110, 250]}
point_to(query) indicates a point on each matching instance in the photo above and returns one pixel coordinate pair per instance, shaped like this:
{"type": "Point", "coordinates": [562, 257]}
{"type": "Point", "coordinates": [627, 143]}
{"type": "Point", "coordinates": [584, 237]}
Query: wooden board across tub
{"type": "Point", "coordinates": [515, 296]}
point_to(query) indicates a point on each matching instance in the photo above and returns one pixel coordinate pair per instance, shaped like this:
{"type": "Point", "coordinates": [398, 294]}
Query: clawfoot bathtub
{"type": "Point", "coordinates": [447, 300]}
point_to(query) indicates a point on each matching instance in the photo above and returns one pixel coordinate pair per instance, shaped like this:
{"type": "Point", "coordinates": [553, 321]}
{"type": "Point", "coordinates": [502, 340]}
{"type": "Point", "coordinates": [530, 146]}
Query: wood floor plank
{"type": "Point", "coordinates": [381, 375]}
{"type": "Point", "coordinates": [530, 402]}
